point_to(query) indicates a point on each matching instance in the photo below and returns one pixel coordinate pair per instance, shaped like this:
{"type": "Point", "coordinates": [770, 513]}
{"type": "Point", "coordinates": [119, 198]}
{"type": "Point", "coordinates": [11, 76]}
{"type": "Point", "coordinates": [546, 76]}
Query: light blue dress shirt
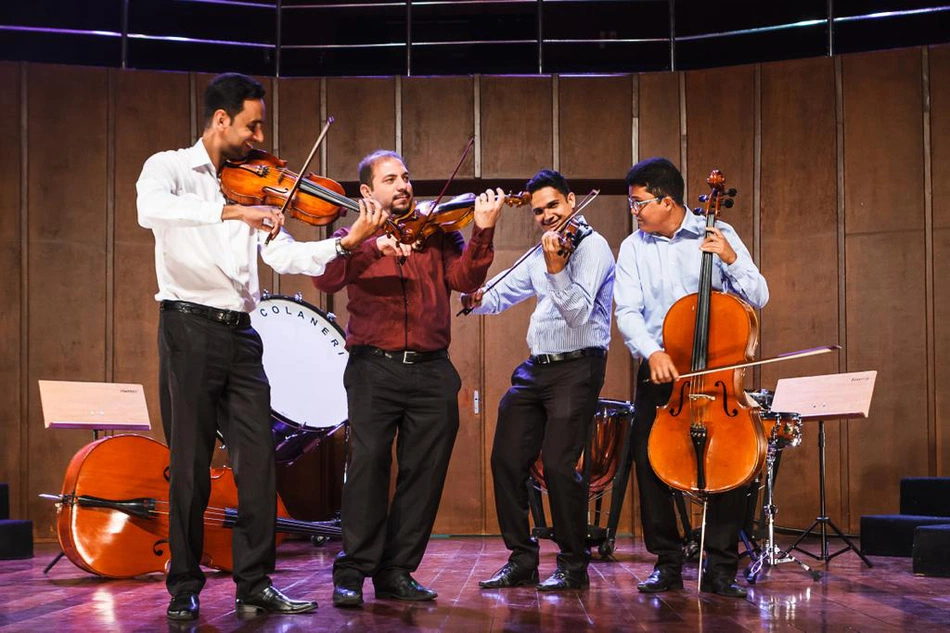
{"type": "Point", "coordinates": [653, 272]}
{"type": "Point", "coordinates": [573, 310]}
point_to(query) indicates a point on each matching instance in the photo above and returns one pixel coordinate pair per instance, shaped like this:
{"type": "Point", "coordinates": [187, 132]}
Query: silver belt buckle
{"type": "Point", "coordinates": [405, 357]}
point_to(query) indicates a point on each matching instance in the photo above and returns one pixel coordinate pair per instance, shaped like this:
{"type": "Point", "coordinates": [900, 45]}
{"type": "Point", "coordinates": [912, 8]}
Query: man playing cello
{"type": "Point", "coordinates": [658, 264]}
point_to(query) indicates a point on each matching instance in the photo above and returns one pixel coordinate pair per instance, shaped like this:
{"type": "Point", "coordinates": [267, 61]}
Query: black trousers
{"type": "Point", "coordinates": [417, 406]}
{"type": "Point", "coordinates": [211, 377]}
{"type": "Point", "coordinates": [548, 408]}
{"type": "Point", "coordinates": [725, 512]}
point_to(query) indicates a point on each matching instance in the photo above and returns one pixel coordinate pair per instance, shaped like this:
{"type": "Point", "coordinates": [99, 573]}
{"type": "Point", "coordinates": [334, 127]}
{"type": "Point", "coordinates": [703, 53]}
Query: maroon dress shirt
{"type": "Point", "coordinates": [406, 306]}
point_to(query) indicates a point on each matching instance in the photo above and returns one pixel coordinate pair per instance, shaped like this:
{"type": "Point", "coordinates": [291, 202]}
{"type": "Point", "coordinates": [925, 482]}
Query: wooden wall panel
{"type": "Point", "coordinates": [885, 249]}
{"type": "Point", "coordinates": [298, 122]}
{"type": "Point", "coordinates": [67, 255]}
{"type": "Point", "coordinates": [720, 126]}
{"type": "Point", "coordinates": [11, 385]}
{"type": "Point", "coordinates": [365, 115]}
{"type": "Point", "coordinates": [517, 126]}
{"type": "Point", "coordinates": [136, 311]}
{"type": "Point", "coordinates": [799, 257]}
{"type": "Point", "coordinates": [595, 142]}
{"type": "Point", "coordinates": [438, 119]}
{"type": "Point", "coordinates": [940, 177]}
{"type": "Point", "coordinates": [659, 102]}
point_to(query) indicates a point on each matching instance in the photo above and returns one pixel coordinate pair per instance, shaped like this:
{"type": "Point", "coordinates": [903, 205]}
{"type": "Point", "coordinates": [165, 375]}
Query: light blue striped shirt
{"type": "Point", "coordinates": [573, 310]}
{"type": "Point", "coordinates": [653, 272]}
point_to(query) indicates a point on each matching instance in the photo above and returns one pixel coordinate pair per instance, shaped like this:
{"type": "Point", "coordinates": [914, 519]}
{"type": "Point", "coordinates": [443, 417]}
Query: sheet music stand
{"type": "Point", "coordinates": [835, 396]}
{"type": "Point", "coordinates": [98, 406]}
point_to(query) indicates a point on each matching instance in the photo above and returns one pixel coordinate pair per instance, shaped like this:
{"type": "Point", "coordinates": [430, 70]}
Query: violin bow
{"type": "Point", "coordinates": [300, 176]}
{"type": "Point", "coordinates": [802, 353]}
{"type": "Point", "coordinates": [580, 207]}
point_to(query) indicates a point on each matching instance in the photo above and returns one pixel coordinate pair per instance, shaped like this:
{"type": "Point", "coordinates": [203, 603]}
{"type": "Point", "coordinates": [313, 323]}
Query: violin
{"type": "Point", "coordinates": [263, 179]}
{"type": "Point", "coordinates": [113, 510]}
{"type": "Point", "coordinates": [708, 438]}
{"type": "Point", "coordinates": [425, 218]}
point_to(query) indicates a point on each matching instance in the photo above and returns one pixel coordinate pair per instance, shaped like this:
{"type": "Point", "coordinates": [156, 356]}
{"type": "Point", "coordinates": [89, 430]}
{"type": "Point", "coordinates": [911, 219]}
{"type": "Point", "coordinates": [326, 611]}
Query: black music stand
{"type": "Point", "coordinates": [832, 396]}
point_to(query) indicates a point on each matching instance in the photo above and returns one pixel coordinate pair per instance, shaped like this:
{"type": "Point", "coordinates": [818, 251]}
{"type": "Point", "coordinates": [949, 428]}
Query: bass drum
{"type": "Point", "coordinates": [608, 430]}
{"type": "Point", "coordinates": [304, 357]}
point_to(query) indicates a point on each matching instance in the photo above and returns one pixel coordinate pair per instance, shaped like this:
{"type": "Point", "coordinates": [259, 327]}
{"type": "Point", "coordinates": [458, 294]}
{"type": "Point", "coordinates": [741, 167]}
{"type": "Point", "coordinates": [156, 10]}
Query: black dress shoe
{"type": "Point", "coordinates": [271, 600]}
{"type": "Point", "coordinates": [511, 575]}
{"type": "Point", "coordinates": [563, 579]}
{"type": "Point", "coordinates": [403, 587]}
{"type": "Point", "coordinates": [184, 606]}
{"type": "Point", "coordinates": [722, 586]}
{"type": "Point", "coordinates": [662, 579]}
{"type": "Point", "coordinates": [347, 594]}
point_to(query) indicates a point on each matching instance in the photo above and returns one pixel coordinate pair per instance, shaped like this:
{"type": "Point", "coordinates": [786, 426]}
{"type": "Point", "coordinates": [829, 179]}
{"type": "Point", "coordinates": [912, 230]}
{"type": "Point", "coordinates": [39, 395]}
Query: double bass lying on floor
{"type": "Point", "coordinates": [113, 510]}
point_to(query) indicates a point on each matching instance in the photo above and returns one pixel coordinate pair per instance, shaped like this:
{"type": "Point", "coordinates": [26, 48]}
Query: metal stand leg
{"type": "Point", "coordinates": [822, 519]}
{"type": "Point", "coordinates": [621, 479]}
{"type": "Point", "coordinates": [53, 562]}
{"type": "Point", "coordinates": [771, 555]}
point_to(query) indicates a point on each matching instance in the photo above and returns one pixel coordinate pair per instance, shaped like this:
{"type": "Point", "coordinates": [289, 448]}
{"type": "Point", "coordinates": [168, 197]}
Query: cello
{"type": "Point", "coordinates": [708, 438]}
{"type": "Point", "coordinates": [112, 518]}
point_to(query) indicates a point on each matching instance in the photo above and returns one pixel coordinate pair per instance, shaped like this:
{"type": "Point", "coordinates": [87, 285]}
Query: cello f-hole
{"type": "Point", "coordinates": [725, 400]}
{"type": "Point", "coordinates": [683, 388]}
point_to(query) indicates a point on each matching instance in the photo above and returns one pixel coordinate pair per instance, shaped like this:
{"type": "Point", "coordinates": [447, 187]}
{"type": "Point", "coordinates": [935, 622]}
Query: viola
{"type": "Point", "coordinates": [113, 510]}
{"type": "Point", "coordinates": [263, 179]}
{"type": "Point", "coordinates": [425, 218]}
{"type": "Point", "coordinates": [708, 438]}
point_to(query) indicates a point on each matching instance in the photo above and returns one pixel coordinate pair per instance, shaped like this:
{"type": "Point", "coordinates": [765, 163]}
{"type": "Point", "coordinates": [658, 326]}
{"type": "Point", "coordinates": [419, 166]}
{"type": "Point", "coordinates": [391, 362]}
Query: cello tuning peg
{"type": "Point", "coordinates": [703, 198]}
{"type": "Point", "coordinates": [728, 203]}
{"type": "Point", "coordinates": [698, 211]}
{"type": "Point", "coordinates": [731, 192]}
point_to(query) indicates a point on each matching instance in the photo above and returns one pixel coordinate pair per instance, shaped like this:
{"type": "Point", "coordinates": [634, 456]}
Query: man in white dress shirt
{"type": "Point", "coordinates": [211, 374]}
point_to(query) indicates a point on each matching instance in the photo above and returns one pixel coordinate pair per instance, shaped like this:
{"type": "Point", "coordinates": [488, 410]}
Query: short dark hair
{"type": "Point", "coordinates": [658, 176]}
{"type": "Point", "coordinates": [228, 92]}
{"type": "Point", "coordinates": [369, 161]}
{"type": "Point", "coordinates": [548, 178]}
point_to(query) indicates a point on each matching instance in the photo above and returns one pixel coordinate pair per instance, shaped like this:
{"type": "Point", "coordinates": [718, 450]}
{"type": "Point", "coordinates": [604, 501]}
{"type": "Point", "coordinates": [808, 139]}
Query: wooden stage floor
{"type": "Point", "coordinates": [849, 597]}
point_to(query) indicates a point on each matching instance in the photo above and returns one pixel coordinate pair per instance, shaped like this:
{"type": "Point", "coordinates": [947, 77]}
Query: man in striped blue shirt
{"type": "Point", "coordinates": [657, 265]}
{"type": "Point", "coordinates": [553, 395]}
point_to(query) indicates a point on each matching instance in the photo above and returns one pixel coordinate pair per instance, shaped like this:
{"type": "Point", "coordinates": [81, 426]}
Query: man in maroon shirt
{"type": "Point", "coordinates": [399, 378]}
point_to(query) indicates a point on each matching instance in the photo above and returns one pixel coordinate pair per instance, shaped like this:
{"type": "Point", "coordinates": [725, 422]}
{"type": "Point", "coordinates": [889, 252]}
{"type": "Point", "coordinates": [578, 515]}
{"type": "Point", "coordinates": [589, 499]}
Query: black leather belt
{"type": "Point", "coordinates": [226, 317]}
{"type": "Point", "coordinates": [406, 356]}
{"type": "Point", "coordinates": [547, 359]}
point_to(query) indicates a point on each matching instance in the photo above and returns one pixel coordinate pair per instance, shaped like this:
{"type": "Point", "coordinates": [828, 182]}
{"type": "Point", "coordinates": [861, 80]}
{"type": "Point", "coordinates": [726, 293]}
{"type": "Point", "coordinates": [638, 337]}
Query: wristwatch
{"type": "Point", "coordinates": [341, 251]}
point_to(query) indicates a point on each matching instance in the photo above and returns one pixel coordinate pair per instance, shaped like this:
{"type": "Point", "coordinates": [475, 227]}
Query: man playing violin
{"type": "Point", "coordinates": [553, 395]}
{"type": "Point", "coordinates": [658, 264]}
{"type": "Point", "coordinates": [211, 375]}
{"type": "Point", "coordinates": [400, 382]}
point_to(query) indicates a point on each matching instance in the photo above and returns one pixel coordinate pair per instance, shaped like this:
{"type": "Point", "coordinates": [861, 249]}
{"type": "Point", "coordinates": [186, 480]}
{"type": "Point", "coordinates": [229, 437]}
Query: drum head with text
{"type": "Point", "coordinates": [304, 357]}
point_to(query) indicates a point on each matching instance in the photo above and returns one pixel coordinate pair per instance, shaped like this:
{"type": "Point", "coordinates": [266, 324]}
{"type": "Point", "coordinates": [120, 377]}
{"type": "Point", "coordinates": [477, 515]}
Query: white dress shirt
{"type": "Point", "coordinates": [198, 256]}
{"type": "Point", "coordinates": [653, 272]}
{"type": "Point", "coordinates": [573, 310]}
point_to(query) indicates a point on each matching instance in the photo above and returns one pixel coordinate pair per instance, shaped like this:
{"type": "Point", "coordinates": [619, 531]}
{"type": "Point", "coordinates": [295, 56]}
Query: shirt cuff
{"type": "Point", "coordinates": [560, 281]}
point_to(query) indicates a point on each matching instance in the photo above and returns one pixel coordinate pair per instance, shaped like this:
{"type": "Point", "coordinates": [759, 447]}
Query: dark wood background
{"type": "Point", "coordinates": [843, 171]}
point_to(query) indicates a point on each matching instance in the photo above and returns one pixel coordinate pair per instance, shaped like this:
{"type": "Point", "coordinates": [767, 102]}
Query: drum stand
{"type": "Point", "coordinates": [770, 555]}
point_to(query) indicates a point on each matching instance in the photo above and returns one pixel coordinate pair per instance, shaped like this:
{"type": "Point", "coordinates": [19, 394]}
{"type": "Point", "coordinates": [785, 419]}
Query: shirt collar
{"type": "Point", "coordinates": [198, 156]}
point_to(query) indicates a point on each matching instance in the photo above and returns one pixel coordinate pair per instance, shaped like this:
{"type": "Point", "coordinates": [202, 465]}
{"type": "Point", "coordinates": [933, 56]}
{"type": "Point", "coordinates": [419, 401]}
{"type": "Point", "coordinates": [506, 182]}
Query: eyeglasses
{"type": "Point", "coordinates": [637, 205]}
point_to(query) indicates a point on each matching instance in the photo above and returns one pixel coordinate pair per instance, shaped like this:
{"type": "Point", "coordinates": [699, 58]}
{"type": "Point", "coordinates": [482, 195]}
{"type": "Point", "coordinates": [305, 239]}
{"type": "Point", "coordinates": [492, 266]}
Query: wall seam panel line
{"type": "Point", "coordinates": [326, 299]}
{"type": "Point", "coordinates": [635, 158]}
{"type": "Point", "coordinates": [24, 293]}
{"type": "Point", "coordinates": [844, 501]}
{"type": "Point", "coordinates": [933, 430]}
{"type": "Point", "coordinates": [477, 107]}
{"type": "Point", "coordinates": [757, 195]}
{"type": "Point", "coordinates": [278, 149]}
{"type": "Point", "coordinates": [555, 123]}
{"type": "Point", "coordinates": [398, 106]}
{"type": "Point", "coordinates": [684, 164]}
{"type": "Point", "coordinates": [109, 347]}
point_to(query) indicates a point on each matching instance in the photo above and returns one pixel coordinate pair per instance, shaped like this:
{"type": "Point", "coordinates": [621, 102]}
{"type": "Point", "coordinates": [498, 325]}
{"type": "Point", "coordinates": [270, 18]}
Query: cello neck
{"type": "Point", "coordinates": [701, 331]}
